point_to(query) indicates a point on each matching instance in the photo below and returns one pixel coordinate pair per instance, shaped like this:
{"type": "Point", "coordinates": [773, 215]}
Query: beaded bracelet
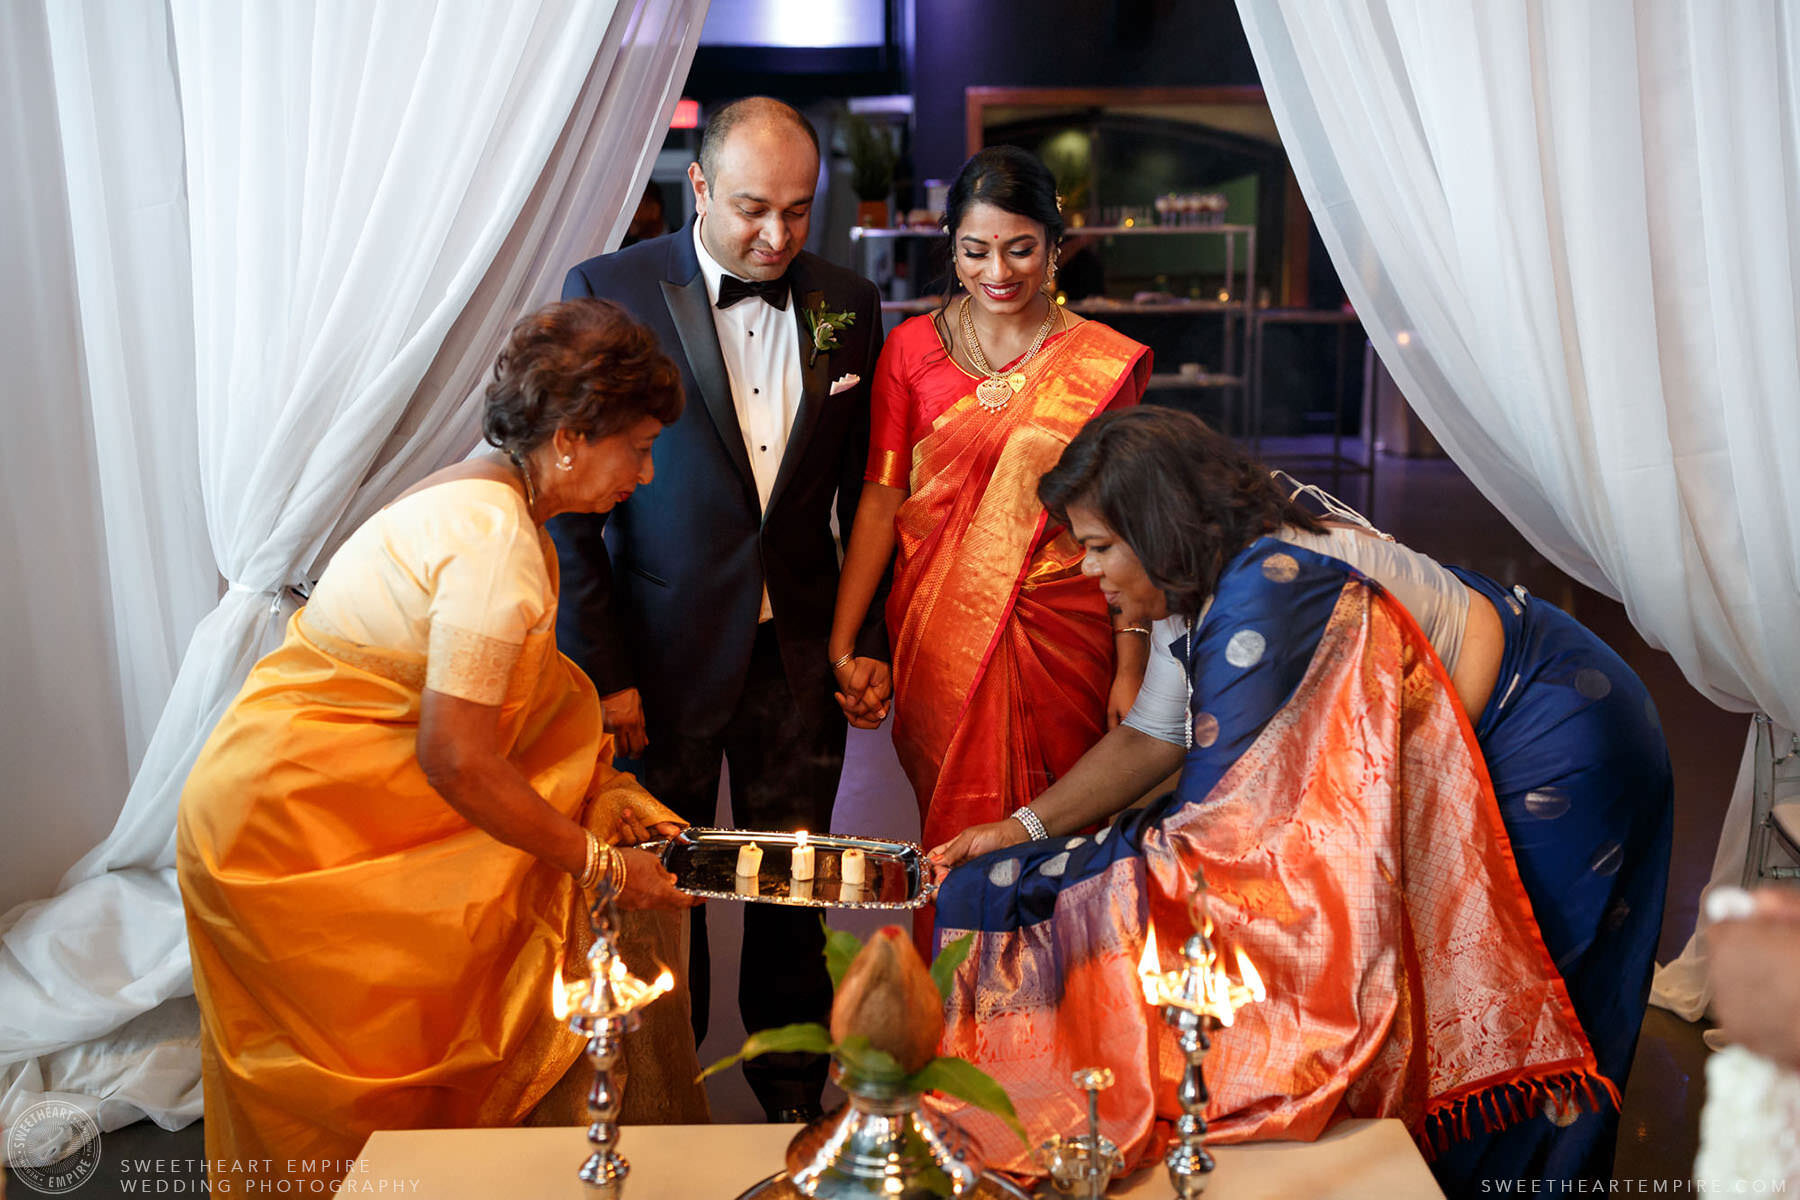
{"type": "Point", "coordinates": [1034, 825]}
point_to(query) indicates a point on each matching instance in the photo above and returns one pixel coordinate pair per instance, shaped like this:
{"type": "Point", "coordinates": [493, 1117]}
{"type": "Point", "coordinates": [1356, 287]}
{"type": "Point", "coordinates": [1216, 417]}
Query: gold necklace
{"type": "Point", "coordinates": [996, 390]}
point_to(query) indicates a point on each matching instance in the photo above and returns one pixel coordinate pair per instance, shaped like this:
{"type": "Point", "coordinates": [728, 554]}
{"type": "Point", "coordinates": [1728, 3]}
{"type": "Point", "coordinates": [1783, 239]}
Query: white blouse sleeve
{"type": "Point", "coordinates": [1161, 708]}
{"type": "Point", "coordinates": [489, 590]}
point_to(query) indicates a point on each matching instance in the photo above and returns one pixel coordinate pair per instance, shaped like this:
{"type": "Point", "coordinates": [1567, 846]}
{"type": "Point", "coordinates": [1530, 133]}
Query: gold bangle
{"type": "Point", "coordinates": [843, 662]}
{"type": "Point", "coordinates": [618, 858]}
{"type": "Point", "coordinates": [1132, 629]}
{"type": "Point", "coordinates": [590, 869]}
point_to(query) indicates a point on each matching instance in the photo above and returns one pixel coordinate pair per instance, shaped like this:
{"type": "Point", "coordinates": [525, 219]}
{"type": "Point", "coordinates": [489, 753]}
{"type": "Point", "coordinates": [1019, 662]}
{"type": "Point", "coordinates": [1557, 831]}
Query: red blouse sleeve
{"type": "Point", "coordinates": [890, 413]}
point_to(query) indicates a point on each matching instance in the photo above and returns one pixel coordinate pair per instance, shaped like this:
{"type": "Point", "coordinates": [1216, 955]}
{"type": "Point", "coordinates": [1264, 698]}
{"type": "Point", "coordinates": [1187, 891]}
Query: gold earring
{"type": "Point", "coordinates": [1050, 273]}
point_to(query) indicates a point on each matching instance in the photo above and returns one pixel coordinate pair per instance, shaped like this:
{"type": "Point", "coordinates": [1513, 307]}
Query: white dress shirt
{"type": "Point", "coordinates": [761, 347]}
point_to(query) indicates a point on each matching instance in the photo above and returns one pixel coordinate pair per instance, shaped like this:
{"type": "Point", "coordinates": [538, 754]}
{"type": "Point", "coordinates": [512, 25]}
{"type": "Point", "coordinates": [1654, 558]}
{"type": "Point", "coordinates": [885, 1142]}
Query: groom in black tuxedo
{"type": "Point", "coordinates": [701, 607]}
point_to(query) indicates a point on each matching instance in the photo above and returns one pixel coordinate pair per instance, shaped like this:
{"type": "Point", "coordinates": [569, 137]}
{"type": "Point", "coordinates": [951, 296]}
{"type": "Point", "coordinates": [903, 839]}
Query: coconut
{"type": "Point", "coordinates": [888, 997]}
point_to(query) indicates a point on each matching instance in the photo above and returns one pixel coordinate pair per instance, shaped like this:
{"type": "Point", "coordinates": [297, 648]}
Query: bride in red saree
{"type": "Point", "coordinates": [1006, 663]}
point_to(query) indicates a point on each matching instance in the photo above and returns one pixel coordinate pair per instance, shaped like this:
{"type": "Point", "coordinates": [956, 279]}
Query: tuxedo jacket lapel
{"type": "Point", "coordinates": [690, 308]}
{"type": "Point", "coordinates": [815, 375]}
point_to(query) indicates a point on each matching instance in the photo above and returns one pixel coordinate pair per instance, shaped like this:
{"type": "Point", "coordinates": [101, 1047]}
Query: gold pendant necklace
{"type": "Point", "coordinates": [997, 390]}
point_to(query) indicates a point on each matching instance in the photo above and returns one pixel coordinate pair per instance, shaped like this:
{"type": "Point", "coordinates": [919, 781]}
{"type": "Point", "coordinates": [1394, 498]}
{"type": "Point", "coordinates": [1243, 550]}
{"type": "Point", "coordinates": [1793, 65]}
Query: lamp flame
{"type": "Point", "coordinates": [800, 840]}
{"type": "Point", "coordinates": [1150, 969]}
{"type": "Point", "coordinates": [1203, 986]}
{"type": "Point", "coordinates": [566, 995]}
{"type": "Point", "coordinates": [1247, 972]}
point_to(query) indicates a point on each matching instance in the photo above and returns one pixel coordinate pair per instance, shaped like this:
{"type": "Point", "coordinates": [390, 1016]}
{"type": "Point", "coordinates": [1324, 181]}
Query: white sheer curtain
{"type": "Point", "coordinates": [1573, 233]}
{"type": "Point", "coordinates": [374, 193]}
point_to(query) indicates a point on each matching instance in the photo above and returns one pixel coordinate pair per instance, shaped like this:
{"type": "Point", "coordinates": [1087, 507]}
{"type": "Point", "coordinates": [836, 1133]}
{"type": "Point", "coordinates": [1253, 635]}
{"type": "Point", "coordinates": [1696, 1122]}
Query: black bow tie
{"type": "Point", "coordinates": [732, 289]}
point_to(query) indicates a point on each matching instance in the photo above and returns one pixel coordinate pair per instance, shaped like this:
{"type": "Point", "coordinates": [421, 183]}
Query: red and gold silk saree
{"type": "Point", "coordinates": [1003, 651]}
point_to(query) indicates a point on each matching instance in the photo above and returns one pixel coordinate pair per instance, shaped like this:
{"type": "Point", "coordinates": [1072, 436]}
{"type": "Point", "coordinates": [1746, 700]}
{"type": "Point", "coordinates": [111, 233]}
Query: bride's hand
{"type": "Point", "coordinates": [975, 841]}
{"type": "Point", "coordinates": [865, 686]}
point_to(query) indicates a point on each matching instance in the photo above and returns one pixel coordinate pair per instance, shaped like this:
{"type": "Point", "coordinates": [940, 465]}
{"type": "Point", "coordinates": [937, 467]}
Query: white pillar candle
{"type": "Point", "coordinates": [853, 865]}
{"type": "Point", "coordinates": [803, 858]}
{"type": "Point", "coordinates": [749, 860]}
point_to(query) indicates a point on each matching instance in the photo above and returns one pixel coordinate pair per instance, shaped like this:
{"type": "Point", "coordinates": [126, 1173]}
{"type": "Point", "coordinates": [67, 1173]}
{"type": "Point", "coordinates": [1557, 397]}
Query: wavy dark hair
{"type": "Point", "coordinates": [580, 365]}
{"type": "Point", "coordinates": [1010, 179]}
{"type": "Point", "coordinates": [1183, 496]}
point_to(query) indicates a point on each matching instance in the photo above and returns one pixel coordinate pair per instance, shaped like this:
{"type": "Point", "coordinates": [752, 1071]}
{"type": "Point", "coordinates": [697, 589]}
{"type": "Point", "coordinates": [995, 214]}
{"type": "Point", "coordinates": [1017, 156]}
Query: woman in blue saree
{"type": "Point", "coordinates": [1435, 812]}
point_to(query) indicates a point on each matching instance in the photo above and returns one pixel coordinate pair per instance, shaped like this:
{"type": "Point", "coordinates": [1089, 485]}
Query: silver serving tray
{"type": "Point", "coordinates": [704, 863]}
{"type": "Point", "coordinates": [989, 1187]}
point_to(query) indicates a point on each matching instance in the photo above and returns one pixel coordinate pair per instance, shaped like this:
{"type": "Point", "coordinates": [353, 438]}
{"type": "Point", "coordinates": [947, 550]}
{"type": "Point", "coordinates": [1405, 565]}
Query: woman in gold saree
{"type": "Point", "coordinates": [385, 846]}
{"type": "Point", "coordinates": [1007, 665]}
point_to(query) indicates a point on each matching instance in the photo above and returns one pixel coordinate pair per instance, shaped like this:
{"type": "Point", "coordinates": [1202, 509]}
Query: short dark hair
{"type": "Point", "coordinates": [1184, 497]}
{"type": "Point", "coordinates": [580, 365]}
{"type": "Point", "coordinates": [721, 123]}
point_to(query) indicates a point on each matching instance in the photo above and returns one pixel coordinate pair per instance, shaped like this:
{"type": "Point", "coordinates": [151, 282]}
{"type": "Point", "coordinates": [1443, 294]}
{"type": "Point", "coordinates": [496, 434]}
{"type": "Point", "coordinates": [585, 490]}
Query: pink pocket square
{"type": "Point", "coordinates": [844, 383]}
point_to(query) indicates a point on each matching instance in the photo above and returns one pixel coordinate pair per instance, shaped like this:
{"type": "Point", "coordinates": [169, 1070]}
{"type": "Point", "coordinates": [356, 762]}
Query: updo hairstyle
{"type": "Point", "coordinates": [581, 365]}
{"type": "Point", "coordinates": [1010, 179]}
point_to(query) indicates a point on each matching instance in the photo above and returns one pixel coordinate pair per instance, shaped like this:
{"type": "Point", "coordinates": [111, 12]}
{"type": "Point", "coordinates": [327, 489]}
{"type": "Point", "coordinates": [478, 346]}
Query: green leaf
{"type": "Point", "coordinates": [860, 1058]}
{"type": "Point", "coordinates": [943, 967]}
{"type": "Point", "coordinates": [810, 1037]}
{"type": "Point", "coordinates": [964, 1080]}
{"type": "Point", "coordinates": [841, 949]}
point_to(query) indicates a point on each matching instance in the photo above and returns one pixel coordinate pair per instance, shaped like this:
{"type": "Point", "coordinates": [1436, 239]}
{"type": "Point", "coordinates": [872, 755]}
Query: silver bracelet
{"type": "Point", "coordinates": [843, 662]}
{"type": "Point", "coordinates": [1034, 825]}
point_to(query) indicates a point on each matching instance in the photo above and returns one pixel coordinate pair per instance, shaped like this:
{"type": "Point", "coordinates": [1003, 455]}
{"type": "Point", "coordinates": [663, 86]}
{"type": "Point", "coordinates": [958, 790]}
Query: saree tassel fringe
{"type": "Point", "coordinates": [1502, 1105]}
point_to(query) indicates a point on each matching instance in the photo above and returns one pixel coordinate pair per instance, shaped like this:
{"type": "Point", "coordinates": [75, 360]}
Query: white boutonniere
{"type": "Point", "coordinates": [844, 383]}
{"type": "Point", "coordinates": [824, 325]}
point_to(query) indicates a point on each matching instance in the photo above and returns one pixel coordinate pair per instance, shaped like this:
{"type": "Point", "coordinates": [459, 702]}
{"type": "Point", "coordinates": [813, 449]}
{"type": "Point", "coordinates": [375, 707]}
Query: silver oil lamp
{"type": "Point", "coordinates": [1197, 1000]}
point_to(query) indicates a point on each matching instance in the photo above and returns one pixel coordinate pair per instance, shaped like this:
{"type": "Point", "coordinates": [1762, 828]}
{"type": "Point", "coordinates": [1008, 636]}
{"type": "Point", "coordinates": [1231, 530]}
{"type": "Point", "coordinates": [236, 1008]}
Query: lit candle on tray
{"type": "Point", "coordinates": [853, 864]}
{"type": "Point", "coordinates": [749, 860]}
{"type": "Point", "coordinates": [803, 857]}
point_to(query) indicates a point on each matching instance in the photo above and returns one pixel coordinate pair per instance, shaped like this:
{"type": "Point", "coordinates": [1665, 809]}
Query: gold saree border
{"type": "Point", "coordinates": [396, 666]}
{"type": "Point", "coordinates": [469, 665]}
{"type": "Point", "coordinates": [888, 468]}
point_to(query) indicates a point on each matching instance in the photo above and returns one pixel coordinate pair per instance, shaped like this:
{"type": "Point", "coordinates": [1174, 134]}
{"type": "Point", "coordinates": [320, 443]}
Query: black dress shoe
{"type": "Point", "coordinates": [799, 1114]}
